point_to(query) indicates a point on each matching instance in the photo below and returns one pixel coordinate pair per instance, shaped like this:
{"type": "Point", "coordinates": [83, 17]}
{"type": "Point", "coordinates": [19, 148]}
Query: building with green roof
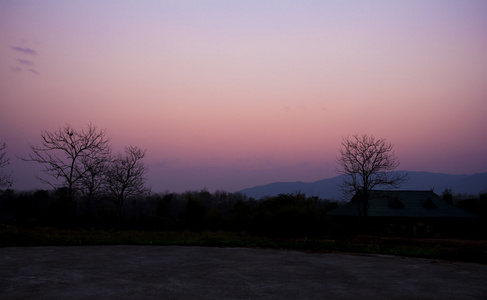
{"type": "Point", "coordinates": [417, 213]}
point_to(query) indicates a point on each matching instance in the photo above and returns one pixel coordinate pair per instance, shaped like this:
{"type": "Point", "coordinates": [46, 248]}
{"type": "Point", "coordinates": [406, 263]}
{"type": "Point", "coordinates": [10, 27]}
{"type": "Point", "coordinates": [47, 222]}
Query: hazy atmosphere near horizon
{"type": "Point", "coordinates": [226, 95]}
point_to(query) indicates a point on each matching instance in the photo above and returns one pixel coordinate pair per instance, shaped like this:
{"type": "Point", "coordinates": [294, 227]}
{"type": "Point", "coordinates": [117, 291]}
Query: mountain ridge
{"type": "Point", "coordinates": [328, 188]}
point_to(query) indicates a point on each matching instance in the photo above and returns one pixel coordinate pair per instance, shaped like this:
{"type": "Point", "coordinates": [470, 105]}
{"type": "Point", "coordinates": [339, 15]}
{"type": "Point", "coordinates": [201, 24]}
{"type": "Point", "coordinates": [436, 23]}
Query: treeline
{"type": "Point", "coordinates": [286, 215]}
{"type": "Point", "coordinates": [475, 204]}
{"type": "Point", "coordinates": [282, 215]}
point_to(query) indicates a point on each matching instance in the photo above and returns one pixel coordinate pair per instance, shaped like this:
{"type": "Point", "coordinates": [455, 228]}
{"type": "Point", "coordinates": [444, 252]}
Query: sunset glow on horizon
{"type": "Point", "coordinates": [231, 94]}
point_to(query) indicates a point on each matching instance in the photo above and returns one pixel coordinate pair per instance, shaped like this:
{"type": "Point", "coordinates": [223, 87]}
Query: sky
{"type": "Point", "coordinates": [226, 95]}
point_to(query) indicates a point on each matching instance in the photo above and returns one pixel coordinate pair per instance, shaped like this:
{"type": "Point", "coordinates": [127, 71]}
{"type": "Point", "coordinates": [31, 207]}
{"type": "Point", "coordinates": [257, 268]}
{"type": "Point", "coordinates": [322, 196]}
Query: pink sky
{"type": "Point", "coordinates": [231, 94]}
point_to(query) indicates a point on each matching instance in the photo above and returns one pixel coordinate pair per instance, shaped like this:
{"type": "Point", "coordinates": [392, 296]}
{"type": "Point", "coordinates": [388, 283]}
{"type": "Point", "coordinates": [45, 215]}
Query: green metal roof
{"type": "Point", "coordinates": [408, 204]}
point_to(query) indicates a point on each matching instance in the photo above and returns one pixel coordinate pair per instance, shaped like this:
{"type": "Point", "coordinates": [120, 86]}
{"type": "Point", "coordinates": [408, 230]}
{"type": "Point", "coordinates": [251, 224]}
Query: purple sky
{"type": "Point", "coordinates": [231, 94]}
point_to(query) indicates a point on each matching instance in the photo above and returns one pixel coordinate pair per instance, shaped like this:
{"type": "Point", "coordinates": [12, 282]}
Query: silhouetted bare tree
{"type": "Point", "coordinates": [125, 177]}
{"type": "Point", "coordinates": [367, 162]}
{"type": "Point", "coordinates": [69, 155]}
{"type": "Point", "coordinates": [5, 179]}
{"type": "Point", "coordinates": [94, 177]}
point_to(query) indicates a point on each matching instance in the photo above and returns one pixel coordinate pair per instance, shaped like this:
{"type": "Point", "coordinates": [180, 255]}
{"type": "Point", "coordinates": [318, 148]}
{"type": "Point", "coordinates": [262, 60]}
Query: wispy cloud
{"type": "Point", "coordinates": [24, 50]}
{"type": "Point", "coordinates": [25, 62]}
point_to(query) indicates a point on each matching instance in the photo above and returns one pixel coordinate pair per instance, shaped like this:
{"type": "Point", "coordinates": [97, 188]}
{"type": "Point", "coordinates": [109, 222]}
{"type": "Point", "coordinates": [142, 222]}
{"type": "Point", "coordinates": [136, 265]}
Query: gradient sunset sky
{"type": "Point", "coordinates": [231, 94]}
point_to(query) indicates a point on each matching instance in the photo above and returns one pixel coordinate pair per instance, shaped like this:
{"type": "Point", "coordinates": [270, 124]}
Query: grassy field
{"type": "Point", "coordinates": [444, 249]}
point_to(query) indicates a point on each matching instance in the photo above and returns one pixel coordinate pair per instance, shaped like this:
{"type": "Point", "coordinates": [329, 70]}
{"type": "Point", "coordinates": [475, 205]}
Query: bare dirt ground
{"type": "Point", "coordinates": [166, 272]}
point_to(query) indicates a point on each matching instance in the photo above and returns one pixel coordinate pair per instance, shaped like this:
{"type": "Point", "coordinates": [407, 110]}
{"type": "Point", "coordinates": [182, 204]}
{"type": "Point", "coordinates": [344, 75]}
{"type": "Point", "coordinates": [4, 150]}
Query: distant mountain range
{"type": "Point", "coordinates": [329, 188]}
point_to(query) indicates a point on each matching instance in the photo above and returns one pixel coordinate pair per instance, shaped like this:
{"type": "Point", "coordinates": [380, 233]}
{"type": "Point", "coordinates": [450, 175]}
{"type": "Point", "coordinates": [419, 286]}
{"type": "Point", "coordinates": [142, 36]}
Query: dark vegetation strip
{"type": "Point", "coordinates": [442, 249]}
{"type": "Point", "coordinates": [199, 218]}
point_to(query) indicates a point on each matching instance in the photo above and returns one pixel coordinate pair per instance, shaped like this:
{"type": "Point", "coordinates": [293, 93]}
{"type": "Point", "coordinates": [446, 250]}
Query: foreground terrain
{"type": "Point", "coordinates": [465, 250]}
{"type": "Point", "coordinates": [175, 272]}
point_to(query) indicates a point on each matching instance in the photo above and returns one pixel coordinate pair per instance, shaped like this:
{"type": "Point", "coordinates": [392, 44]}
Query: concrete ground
{"type": "Point", "coordinates": [162, 272]}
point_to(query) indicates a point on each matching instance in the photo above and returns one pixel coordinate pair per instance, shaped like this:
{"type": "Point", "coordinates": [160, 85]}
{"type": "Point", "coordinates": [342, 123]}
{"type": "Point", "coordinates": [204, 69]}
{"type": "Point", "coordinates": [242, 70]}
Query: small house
{"type": "Point", "coordinates": [406, 213]}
